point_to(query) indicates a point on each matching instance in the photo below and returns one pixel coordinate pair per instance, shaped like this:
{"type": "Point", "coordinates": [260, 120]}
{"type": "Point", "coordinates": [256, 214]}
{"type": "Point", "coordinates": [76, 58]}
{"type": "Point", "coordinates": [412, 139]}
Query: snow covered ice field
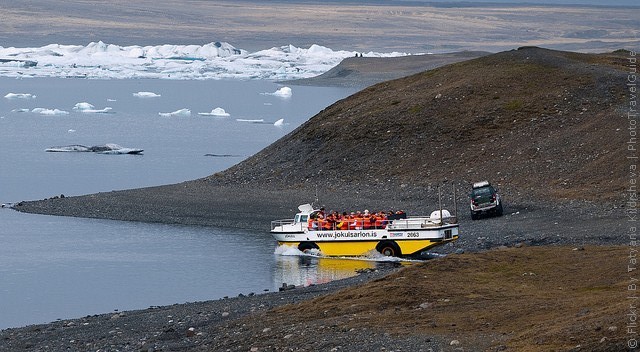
{"type": "Point", "coordinates": [210, 61]}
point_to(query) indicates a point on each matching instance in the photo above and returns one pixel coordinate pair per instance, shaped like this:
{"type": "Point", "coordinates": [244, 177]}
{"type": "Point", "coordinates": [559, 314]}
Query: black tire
{"type": "Point", "coordinates": [474, 215]}
{"type": "Point", "coordinates": [389, 249]}
{"type": "Point", "coordinates": [499, 210]}
{"type": "Point", "coordinates": [304, 247]}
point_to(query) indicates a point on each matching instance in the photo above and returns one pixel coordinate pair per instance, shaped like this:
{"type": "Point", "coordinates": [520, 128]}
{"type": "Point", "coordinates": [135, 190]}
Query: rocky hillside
{"type": "Point", "coordinates": [540, 123]}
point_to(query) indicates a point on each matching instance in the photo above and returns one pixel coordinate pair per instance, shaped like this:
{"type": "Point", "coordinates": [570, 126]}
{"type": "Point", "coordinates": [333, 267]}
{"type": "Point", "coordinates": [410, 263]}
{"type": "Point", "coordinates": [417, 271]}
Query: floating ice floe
{"type": "Point", "coordinates": [215, 112]}
{"type": "Point", "coordinates": [90, 109]}
{"type": "Point", "coordinates": [279, 123]}
{"type": "Point", "coordinates": [44, 111]}
{"type": "Point", "coordinates": [284, 92]}
{"type": "Point", "coordinates": [181, 112]}
{"type": "Point", "coordinates": [71, 130]}
{"type": "Point", "coordinates": [210, 61]}
{"type": "Point", "coordinates": [17, 63]}
{"type": "Point", "coordinates": [20, 110]}
{"type": "Point", "coordinates": [146, 95]}
{"type": "Point", "coordinates": [97, 111]}
{"type": "Point", "coordinates": [251, 120]}
{"type": "Point", "coordinates": [20, 96]}
{"type": "Point", "coordinates": [83, 106]}
{"type": "Point", "coordinates": [223, 155]}
{"type": "Point", "coordinates": [109, 148]}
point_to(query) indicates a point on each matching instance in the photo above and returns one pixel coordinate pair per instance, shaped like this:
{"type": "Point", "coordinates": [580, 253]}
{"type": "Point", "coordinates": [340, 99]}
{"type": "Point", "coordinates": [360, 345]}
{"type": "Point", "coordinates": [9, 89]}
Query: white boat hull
{"type": "Point", "coordinates": [397, 242]}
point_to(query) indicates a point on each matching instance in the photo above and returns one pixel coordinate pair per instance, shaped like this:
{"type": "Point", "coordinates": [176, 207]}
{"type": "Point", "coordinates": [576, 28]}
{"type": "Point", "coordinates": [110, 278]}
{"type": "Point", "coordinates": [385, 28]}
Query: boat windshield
{"type": "Point", "coordinates": [302, 218]}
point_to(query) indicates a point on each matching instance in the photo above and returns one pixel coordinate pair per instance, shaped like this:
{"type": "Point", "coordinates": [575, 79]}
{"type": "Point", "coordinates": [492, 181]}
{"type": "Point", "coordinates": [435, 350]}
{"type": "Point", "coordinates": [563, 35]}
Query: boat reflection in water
{"type": "Point", "coordinates": [296, 268]}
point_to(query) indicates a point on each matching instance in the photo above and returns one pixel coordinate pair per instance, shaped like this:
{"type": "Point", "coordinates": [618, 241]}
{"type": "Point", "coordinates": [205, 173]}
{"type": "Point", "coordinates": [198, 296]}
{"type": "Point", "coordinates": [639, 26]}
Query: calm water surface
{"type": "Point", "coordinates": [58, 268]}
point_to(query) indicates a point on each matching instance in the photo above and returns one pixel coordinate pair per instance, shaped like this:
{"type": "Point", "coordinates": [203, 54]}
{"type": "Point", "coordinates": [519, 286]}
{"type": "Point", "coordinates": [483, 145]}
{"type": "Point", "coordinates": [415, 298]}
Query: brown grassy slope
{"type": "Point", "coordinates": [541, 122]}
{"type": "Point", "coordinates": [525, 299]}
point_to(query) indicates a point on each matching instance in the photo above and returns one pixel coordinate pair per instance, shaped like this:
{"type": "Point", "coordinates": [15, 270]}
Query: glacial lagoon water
{"type": "Point", "coordinates": [58, 267]}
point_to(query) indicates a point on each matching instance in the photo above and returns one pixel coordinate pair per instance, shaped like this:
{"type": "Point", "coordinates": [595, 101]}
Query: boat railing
{"type": "Point", "coordinates": [352, 224]}
{"type": "Point", "coordinates": [421, 222]}
{"type": "Point", "coordinates": [284, 223]}
{"type": "Point", "coordinates": [412, 222]}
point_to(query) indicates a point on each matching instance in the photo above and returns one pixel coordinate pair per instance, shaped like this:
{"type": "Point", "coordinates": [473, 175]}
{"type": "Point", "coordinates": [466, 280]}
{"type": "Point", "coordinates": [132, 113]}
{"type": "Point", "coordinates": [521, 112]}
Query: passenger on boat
{"type": "Point", "coordinates": [366, 221]}
{"type": "Point", "coordinates": [358, 221]}
{"type": "Point", "coordinates": [381, 220]}
{"type": "Point", "coordinates": [354, 221]}
{"type": "Point", "coordinates": [329, 222]}
{"type": "Point", "coordinates": [312, 223]}
{"type": "Point", "coordinates": [343, 221]}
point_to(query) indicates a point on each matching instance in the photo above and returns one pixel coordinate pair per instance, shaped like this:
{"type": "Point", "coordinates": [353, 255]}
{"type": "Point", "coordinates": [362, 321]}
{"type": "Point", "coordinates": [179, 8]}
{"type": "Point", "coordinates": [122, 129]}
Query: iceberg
{"type": "Point", "coordinates": [215, 112]}
{"type": "Point", "coordinates": [251, 120]}
{"type": "Point", "coordinates": [89, 108]}
{"type": "Point", "coordinates": [20, 96]}
{"type": "Point", "coordinates": [69, 148]}
{"type": "Point", "coordinates": [97, 111]}
{"type": "Point", "coordinates": [43, 111]}
{"type": "Point", "coordinates": [146, 95]}
{"type": "Point", "coordinates": [284, 92]}
{"type": "Point", "coordinates": [181, 112]}
{"type": "Point", "coordinates": [83, 106]}
{"type": "Point", "coordinates": [109, 148]}
{"type": "Point", "coordinates": [209, 61]}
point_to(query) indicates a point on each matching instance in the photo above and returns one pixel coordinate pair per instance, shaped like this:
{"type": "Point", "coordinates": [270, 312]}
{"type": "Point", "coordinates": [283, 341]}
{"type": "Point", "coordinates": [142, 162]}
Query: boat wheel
{"type": "Point", "coordinates": [389, 249]}
{"type": "Point", "coordinates": [304, 247]}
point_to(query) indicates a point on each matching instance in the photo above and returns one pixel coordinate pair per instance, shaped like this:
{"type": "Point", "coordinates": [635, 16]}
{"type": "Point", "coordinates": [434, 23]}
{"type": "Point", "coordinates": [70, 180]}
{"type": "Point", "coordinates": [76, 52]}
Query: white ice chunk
{"type": "Point", "coordinates": [97, 111]}
{"type": "Point", "coordinates": [279, 123]}
{"type": "Point", "coordinates": [20, 96]}
{"type": "Point", "coordinates": [251, 120]}
{"type": "Point", "coordinates": [69, 148]}
{"type": "Point", "coordinates": [181, 112]}
{"type": "Point", "coordinates": [83, 106]}
{"type": "Point", "coordinates": [284, 92]}
{"type": "Point", "coordinates": [146, 95]}
{"type": "Point", "coordinates": [90, 109]}
{"type": "Point", "coordinates": [44, 111]}
{"type": "Point", "coordinates": [215, 112]}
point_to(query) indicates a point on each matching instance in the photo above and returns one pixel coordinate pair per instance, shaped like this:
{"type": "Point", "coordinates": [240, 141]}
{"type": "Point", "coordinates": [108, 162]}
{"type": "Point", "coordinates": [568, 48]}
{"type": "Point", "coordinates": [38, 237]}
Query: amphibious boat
{"type": "Point", "coordinates": [394, 235]}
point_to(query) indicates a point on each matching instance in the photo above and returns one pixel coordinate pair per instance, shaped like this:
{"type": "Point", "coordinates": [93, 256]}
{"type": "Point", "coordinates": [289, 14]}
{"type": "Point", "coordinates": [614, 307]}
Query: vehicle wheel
{"type": "Point", "coordinates": [304, 247]}
{"type": "Point", "coordinates": [389, 249]}
{"type": "Point", "coordinates": [474, 215]}
{"type": "Point", "coordinates": [499, 209]}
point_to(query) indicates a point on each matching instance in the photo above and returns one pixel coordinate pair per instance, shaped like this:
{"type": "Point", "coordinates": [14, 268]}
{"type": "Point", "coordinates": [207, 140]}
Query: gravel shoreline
{"type": "Point", "coordinates": [206, 203]}
{"type": "Point", "coordinates": [212, 325]}
{"type": "Point", "coordinates": [164, 328]}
